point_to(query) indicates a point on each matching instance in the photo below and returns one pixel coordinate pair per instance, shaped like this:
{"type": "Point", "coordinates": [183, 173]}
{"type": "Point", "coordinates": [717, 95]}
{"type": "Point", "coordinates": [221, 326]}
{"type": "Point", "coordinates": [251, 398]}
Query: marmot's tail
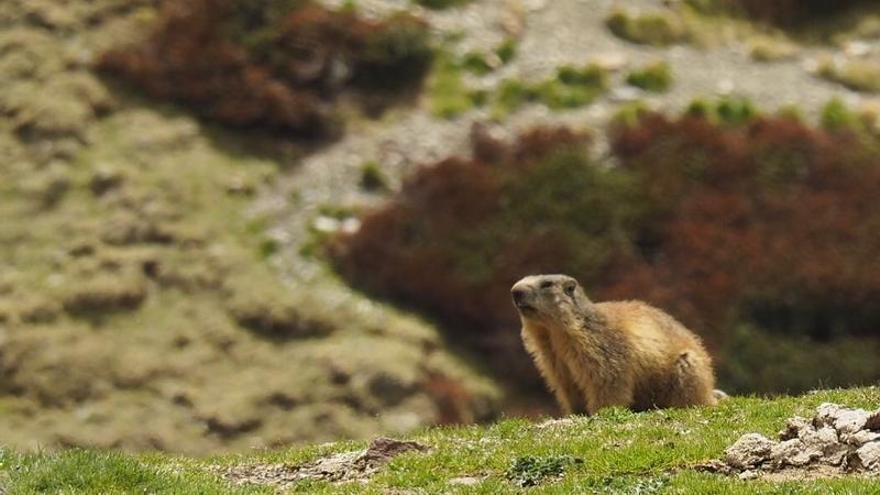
{"type": "Point", "coordinates": [720, 395]}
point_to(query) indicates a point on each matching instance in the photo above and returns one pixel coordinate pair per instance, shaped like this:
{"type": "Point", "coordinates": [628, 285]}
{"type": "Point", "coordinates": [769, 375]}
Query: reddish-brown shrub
{"type": "Point", "coordinates": [273, 64]}
{"type": "Point", "coordinates": [770, 225]}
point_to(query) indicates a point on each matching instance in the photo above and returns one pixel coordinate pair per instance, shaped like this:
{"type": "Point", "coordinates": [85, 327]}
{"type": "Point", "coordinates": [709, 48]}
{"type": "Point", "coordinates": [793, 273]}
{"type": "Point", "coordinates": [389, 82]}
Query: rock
{"type": "Point", "coordinates": [383, 449]}
{"type": "Point", "coordinates": [346, 466]}
{"type": "Point", "coordinates": [792, 453]}
{"type": "Point", "coordinates": [793, 428]}
{"type": "Point", "coordinates": [825, 441]}
{"type": "Point", "coordinates": [826, 414]}
{"type": "Point", "coordinates": [465, 481]}
{"type": "Point", "coordinates": [862, 437]}
{"type": "Point", "coordinates": [849, 421]}
{"type": "Point", "coordinates": [748, 475]}
{"type": "Point", "coordinates": [751, 450]}
{"type": "Point", "coordinates": [611, 62]}
{"type": "Point", "coordinates": [867, 457]}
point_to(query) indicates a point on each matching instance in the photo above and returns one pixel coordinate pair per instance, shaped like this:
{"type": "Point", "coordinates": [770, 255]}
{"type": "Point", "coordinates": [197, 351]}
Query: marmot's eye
{"type": "Point", "coordinates": [569, 289]}
{"type": "Point", "coordinates": [546, 284]}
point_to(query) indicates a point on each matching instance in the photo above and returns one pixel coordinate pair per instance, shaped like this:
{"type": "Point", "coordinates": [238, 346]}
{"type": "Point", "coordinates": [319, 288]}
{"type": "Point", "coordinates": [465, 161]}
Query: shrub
{"type": "Point", "coordinates": [767, 49]}
{"type": "Point", "coordinates": [787, 13]}
{"type": "Point", "coordinates": [274, 64]}
{"type": "Point", "coordinates": [441, 4]}
{"type": "Point", "coordinates": [790, 12]}
{"type": "Point", "coordinates": [659, 28]}
{"type": "Point", "coordinates": [858, 75]}
{"type": "Point", "coordinates": [655, 77]}
{"type": "Point", "coordinates": [768, 224]}
{"type": "Point", "coordinates": [572, 87]}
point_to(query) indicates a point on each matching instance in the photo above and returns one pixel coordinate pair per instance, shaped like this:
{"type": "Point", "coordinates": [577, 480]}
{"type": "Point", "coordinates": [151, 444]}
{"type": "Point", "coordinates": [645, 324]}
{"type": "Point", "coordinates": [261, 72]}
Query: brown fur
{"type": "Point", "coordinates": [595, 355]}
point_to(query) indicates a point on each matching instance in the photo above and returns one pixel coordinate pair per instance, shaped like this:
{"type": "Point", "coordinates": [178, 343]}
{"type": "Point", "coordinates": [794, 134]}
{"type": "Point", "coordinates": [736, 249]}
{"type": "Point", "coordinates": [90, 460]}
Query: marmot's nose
{"type": "Point", "coordinates": [518, 295]}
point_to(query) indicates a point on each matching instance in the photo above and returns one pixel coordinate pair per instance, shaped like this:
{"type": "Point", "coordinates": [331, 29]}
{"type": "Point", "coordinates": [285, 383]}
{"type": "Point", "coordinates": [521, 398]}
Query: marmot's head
{"type": "Point", "coordinates": [550, 299]}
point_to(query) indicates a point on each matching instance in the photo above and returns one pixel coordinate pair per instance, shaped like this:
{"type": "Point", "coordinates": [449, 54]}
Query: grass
{"type": "Point", "coordinates": [655, 77]}
{"type": "Point", "coordinates": [616, 451]}
{"type": "Point", "coordinates": [858, 75]}
{"type": "Point", "coordinates": [771, 49]}
{"type": "Point", "coordinates": [136, 287]}
{"type": "Point", "coordinates": [658, 28]}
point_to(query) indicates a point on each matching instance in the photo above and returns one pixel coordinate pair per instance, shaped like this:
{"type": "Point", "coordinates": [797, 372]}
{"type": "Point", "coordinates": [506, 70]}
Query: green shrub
{"type": "Point", "coordinates": [571, 88]}
{"type": "Point", "coordinates": [372, 178]}
{"type": "Point", "coordinates": [659, 28]}
{"type": "Point", "coordinates": [837, 116]}
{"type": "Point", "coordinates": [449, 95]}
{"type": "Point", "coordinates": [656, 77]}
{"type": "Point", "coordinates": [757, 362]}
{"type": "Point", "coordinates": [506, 51]}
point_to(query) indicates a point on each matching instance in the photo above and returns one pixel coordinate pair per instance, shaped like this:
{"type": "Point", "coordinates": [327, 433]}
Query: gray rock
{"type": "Point", "coordinates": [861, 437]}
{"type": "Point", "coordinates": [867, 457]}
{"type": "Point", "coordinates": [849, 421]}
{"type": "Point", "coordinates": [750, 451]}
{"type": "Point", "coordinates": [792, 453]}
{"type": "Point", "coordinates": [793, 428]}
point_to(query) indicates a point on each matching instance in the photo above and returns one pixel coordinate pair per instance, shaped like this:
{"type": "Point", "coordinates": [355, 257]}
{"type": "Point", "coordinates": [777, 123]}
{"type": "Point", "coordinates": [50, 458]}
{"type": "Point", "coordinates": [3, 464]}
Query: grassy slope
{"type": "Point", "coordinates": [130, 263]}
{"type": "Point", "coordinates": [622, 452]}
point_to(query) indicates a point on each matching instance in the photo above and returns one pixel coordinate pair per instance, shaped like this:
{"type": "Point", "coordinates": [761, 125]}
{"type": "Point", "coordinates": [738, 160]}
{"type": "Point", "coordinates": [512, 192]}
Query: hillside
{"type": "Point", "coordinates": [172, 277]}
{"type": "Point", "coordinates": [614, 452]}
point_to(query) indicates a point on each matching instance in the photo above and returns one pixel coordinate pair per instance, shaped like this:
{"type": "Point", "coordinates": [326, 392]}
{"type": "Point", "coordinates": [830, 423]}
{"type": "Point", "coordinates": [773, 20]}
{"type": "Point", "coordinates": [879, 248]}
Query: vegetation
{"type": "Point", "coordinates": [275, 66]}
{"type": "Point", "coordinates": [441, 4]}
{"type": "Point", "coordinates": [656, 77]}
{"type": "Point", "coordinates": [613, 452]}
{"type": "Point", "coordinates": [659, 28]}
{"type": "Point", "coordinates": [770, 49]}
{"type": "Point", "coordinates": [859, 75]}
{"type": "Point", "coordinates": [722, 219]}
{"type": "Point", "coordinates": [787, 13]}
{"type": "Point", "coordinates": [135, 287]}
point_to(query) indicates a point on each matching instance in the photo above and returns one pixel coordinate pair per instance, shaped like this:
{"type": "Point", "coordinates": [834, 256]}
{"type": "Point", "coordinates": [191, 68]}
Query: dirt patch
{"type": "Point", "coordinates": [836, 442]}
{"type": "Point", "coordinates": [358, 465]}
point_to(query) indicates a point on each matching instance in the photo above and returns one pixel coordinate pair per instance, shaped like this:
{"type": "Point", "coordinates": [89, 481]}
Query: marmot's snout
{"type": "Point", "coordinates": [521, 297]}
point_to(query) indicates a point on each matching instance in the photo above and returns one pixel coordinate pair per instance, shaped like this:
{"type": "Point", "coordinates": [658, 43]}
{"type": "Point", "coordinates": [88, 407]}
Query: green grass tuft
{"type": "Point", "coordinates": [660, 28]}
{"type": "Point", "coordinates": [655, 77]}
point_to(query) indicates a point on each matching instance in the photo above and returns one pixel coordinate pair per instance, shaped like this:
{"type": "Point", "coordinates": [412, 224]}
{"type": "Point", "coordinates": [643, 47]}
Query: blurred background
{"type": "Point", "coordinates": [229, 224]}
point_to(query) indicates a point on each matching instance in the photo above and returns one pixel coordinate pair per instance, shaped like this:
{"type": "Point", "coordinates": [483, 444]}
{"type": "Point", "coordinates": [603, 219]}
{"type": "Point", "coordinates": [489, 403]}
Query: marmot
{"type": "Point", "coordinates": [595, 355]}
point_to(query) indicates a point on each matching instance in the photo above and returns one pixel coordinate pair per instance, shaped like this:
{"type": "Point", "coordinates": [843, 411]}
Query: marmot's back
{"type": "Point", "coordinates": [662, 351]}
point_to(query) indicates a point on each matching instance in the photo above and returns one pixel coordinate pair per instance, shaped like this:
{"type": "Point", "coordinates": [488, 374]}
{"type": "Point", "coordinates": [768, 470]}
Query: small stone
{"type": "Point", "coordinates": [625, 94]}
{"type": "Point", "coordinates": [748, 475]}
{"type": "Point", "coordinates": [465, 481]}
{"type": "Point", "coordinates": [751, 450]}
{"type": "Point", "coordinates": [856, 48]}
{"type": "Point", "coordinates": [826, 414]}
{"type": "Point", "coordinates": [612, 62]}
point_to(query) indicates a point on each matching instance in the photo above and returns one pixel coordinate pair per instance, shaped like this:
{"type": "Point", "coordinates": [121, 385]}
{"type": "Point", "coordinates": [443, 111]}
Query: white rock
{"type": "Point", "coordinates": [751, 450]}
